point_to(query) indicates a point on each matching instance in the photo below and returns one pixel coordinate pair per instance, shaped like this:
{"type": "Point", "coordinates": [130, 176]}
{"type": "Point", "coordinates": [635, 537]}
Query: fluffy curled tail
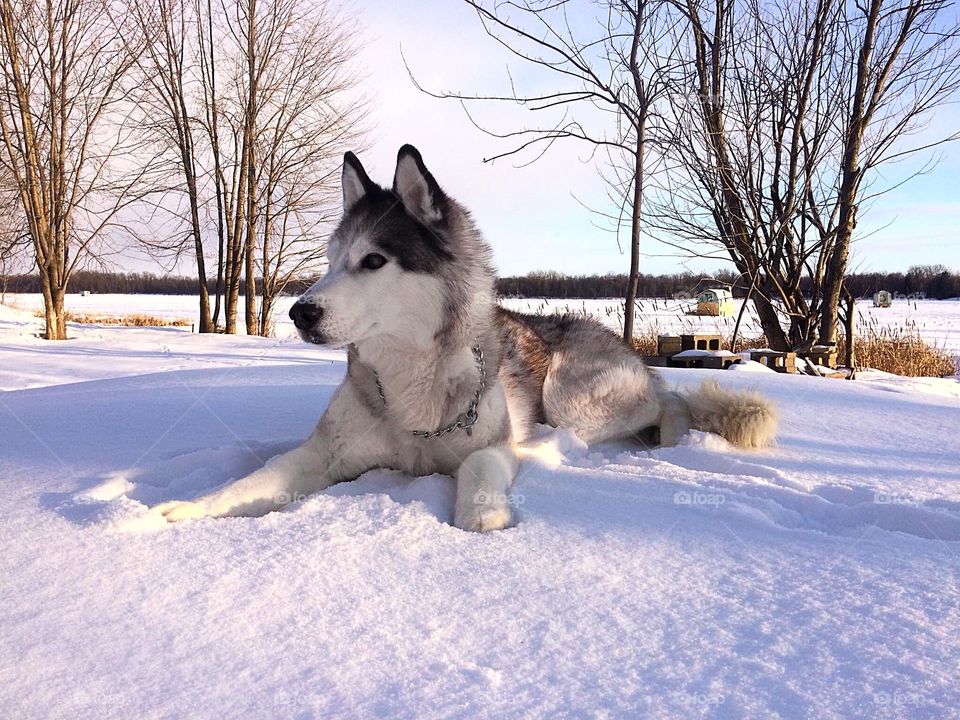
{"type": "Point", "coordinates": [743, 418]}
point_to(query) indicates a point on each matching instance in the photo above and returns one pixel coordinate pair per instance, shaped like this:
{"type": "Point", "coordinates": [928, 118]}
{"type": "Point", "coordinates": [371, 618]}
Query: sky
{"type": "Point", "coordinates": [535, 217]}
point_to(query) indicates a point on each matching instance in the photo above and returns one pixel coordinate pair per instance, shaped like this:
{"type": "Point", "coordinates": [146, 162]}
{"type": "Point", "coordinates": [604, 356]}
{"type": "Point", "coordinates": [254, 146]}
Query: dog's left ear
{"type": "Point", "coordinates": [421, 195]}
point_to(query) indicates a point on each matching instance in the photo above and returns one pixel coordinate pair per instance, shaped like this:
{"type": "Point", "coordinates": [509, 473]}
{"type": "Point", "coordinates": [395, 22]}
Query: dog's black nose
{"type": "Point", "coordinates": [305, 314]}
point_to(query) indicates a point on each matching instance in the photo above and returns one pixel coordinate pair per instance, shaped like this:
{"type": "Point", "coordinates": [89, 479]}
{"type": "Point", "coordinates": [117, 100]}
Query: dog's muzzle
{"type": "Point", "coordinates": [305, 314]}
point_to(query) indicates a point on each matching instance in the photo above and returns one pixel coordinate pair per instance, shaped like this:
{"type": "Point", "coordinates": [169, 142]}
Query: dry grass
{"type": "Point", "coordinates": [645, 341]}
{"type": "Point", "coordinates": [747, 343]}
{"type": "Point", "coordinates": [132, 320]}
{"type": "Point", "coordinates": [900, 351]}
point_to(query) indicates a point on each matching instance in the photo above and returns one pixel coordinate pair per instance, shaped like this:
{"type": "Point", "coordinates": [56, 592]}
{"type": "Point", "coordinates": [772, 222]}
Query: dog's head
{"type": "Point", "coordinates": [390, 260]}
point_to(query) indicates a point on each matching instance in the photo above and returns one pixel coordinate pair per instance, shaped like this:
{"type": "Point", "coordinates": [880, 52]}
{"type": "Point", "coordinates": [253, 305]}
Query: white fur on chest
{"type": "Point", "coordinates": [425, 393]}
{"type": "Point", "coordinates": [444, 454]}
{"type": "Point", "coordinates": [420, 390]}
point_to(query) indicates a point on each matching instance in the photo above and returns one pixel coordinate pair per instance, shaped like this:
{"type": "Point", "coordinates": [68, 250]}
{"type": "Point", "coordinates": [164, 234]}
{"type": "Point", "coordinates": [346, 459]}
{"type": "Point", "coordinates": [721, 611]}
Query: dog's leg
{"type": "Point", "coordinates": [344, 444]}
{"type": "Point", "coordinates": [674, 418]}
{"type": "Point", "coordinates": [285, 478]}
{"type": "Point", "coordinates": [482, 484]}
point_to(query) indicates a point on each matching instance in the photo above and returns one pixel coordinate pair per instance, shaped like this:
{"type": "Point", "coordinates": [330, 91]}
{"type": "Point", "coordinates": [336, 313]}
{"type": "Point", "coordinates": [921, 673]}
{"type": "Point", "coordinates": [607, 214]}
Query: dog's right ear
{"type": "Point", "coordinates": [356, 182]}
{"type": "Point", "coordinates": [421, 195]}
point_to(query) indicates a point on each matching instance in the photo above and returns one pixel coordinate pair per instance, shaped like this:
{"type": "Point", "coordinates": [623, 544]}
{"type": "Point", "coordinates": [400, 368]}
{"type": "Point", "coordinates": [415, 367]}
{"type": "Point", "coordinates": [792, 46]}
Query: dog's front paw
{"type": "Point", "coordinates": [177, 510]}
{"type": "Point", "coordinates": [483, 516]}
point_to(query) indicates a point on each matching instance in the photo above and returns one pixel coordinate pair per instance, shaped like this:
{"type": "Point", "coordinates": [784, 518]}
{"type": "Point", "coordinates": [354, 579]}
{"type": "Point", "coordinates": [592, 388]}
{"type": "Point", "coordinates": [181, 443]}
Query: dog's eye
{"type": "Point", "coordinates": [373, 261]}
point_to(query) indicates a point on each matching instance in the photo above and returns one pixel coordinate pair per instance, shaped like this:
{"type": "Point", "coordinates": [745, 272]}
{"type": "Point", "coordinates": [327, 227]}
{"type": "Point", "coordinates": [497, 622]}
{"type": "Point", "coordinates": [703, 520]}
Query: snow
{"type": "Point", "coordinates": [17, 316]}
{"type": "Point", "coordinates": [818, 578]}
{"type": "Point", "coordinates": [947, 387]}
{"type": "Point", "coordinates": [747, 365]}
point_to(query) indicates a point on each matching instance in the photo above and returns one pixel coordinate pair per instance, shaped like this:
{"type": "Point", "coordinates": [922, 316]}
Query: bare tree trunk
{"type": "Point", "coordinates": [53, 313]}
{"type": "Point", "coordinates": [630, 302]}
{"type": "Point", "coordinates": [250, 271]}
{"type": "Point", "coordinates": [218, 289]}
{"type": "Point", "coordinates": [266, 275]}
{"type": "Point", "coordinates": [770, 322]}
{"type": "Point", "coordinates": [640, 127]}
{"type": "Point", "coordinates": [849, 329]}
{"type": "Point", "coordinates": [206, 321]}
{"type": "Point", "coordinates": [188, 160]}
{"type": "Point", "coordinates": [850, 176]}
{"type": "Point", "coordinates": [232, 279]}
{"type": "Point", "coordinates": [161, 52]}
{"type": "Point", "coordinates": [236, 202]}
{"type": "Point", "coordinates": [796, 102]}
{"type": "Point", "coordinates": [249, 129]}
{"type": "Point", "coordinates": [229, 256]}
{"type": "Point", "coordinates": [208, 67]}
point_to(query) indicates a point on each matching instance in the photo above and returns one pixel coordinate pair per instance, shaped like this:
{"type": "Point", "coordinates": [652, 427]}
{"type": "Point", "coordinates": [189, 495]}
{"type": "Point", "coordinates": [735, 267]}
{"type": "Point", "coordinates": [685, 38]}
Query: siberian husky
{"type": "Point", "coordinates": [442, 380]}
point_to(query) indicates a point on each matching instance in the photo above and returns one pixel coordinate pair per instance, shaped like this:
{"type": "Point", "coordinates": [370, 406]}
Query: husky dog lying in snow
{"type": "Point", "coordinates": [442, 380]}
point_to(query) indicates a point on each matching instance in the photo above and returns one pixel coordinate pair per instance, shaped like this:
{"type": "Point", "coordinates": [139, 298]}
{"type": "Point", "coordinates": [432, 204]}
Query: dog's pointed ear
{"type": "Point", "coordinates": [356, 182]}
{"type": "Point", "coordinates": [421, 195]}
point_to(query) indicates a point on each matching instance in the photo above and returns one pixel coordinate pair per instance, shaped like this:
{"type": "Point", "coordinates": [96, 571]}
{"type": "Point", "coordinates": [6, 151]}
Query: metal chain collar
{"type": "Point", "coordinates": [465, 420]}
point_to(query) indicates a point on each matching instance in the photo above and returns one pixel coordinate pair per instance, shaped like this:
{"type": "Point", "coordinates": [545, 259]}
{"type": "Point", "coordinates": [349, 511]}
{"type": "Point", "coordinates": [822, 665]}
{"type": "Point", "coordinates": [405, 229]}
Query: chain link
{"type": "Point", "coordinates": [466, 420]}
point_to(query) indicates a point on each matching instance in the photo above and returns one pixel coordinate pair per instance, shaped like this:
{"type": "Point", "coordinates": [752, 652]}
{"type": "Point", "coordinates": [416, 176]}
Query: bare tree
{"type": "Point", "coordinates": [760, 144]}
{"type": "Point", "coordinates": [751, 139]}
{"type": "Point", "coordinates": [906, 60]}
{"type": "Point", "coordinates": [310, 110]}
{"type": "Point", "coordinates": [62, 63]}
{"type": "Point", "coordinates": [614, 72]}
{"type": "Point", "coordinates": [162, 51]}
{"type": "Point", "coordinates": [226, 49]}
{"type": "Point", "coordinates": [210, 92]}
{"type": "Point", "coordinates": [281, 105]}
{"type": "Point", "coordinates": [251, 104]}
{"type": "Point", "coordinates": [254, 35]}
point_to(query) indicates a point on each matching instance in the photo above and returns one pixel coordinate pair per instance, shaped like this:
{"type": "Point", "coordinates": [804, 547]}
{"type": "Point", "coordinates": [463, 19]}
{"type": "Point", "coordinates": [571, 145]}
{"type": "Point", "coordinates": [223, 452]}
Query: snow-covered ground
{"type": "Point", "coordinates": [819, 578]}
{"type": "Point", "coordinates": [937, 321]}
